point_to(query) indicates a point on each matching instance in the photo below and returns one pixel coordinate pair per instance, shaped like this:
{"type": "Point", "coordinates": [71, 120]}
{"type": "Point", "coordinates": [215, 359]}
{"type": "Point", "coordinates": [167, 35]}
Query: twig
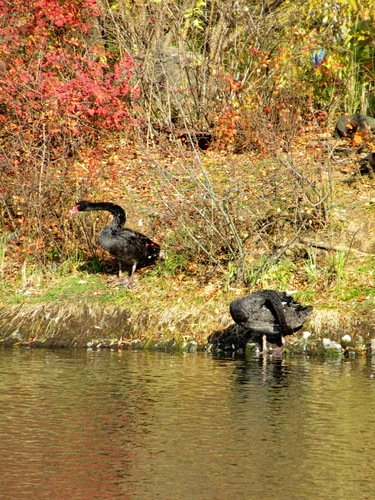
{"type": "Point", "coordinates": [326, 246]}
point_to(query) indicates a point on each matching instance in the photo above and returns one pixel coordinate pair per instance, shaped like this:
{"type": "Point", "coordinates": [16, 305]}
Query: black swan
{"type": "Point", "coordinates": [348, 125]}
{"type": "Point", "coordinates": [270, 316]}
{"type": "Point", "coordinates": [131, 248]}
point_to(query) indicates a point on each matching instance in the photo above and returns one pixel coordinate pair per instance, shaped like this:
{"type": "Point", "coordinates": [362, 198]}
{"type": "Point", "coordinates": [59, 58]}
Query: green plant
{"type": "Point", "coordinates": [94, 265]}
{"type": "Point", "coordinates": [336, 264]}
{"type": "Point", "coordinates": [311, 268]}
{"type": "Point", "coordinates": [279, 275]}
{"type": "Point", "coordinates": [171, 264]}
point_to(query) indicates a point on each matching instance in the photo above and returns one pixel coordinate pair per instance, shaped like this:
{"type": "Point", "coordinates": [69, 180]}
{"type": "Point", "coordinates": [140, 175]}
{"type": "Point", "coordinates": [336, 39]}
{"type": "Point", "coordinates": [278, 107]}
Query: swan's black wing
{"type": "Point", "coordinates": [269, 312]}
{"type": "Point", "coordinates": [129, 246]}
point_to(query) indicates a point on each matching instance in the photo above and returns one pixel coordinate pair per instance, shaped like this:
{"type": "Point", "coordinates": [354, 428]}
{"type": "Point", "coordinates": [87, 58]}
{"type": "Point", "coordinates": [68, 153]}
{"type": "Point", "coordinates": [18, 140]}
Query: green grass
{"type": "Point", "coordinates": [171, 280]}
{"type": "Point", "coordinates": [48, 287]}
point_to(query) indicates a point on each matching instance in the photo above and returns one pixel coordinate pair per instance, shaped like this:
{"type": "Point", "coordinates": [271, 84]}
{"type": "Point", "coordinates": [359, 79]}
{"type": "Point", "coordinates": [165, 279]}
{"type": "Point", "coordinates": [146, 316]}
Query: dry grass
{"type": "Point", "coordinates": [77, 324]}
{"type": "Point", "coordinates": [337, 322]}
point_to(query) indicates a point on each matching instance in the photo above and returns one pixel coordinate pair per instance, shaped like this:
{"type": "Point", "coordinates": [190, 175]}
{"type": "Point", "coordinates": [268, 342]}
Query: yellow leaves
{"type": "Point", "coordinates": [357, 139]}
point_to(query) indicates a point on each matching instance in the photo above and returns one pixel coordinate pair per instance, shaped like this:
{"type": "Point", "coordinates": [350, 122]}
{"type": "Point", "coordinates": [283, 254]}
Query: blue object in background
{"type": "Point", "coordinates": [317, 57]}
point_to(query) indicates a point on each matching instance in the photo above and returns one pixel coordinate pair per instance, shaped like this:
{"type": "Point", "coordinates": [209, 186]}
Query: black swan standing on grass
{"type": "Point", "coordinates": [270, 316]}
{"type": "Point", "coordinates": [131, 248]}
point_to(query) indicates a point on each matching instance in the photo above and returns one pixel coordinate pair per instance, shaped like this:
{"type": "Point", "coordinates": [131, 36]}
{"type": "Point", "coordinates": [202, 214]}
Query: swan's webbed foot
{"type": "Point", "coordinates": [127, 283]}
{"type": "Point", "coordinates": [278, 351]}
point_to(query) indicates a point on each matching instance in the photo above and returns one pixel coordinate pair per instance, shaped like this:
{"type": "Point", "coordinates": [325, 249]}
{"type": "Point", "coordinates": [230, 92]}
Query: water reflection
{"type": "Point", "coordinates": [262, 370]}
{"type": "Point", "coordinates": [86, 425]}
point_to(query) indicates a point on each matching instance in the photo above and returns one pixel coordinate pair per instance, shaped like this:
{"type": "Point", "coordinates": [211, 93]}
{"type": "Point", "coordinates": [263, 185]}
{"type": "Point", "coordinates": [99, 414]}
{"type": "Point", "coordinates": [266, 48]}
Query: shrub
{"type": "Point", "coordinates": [60, 91]}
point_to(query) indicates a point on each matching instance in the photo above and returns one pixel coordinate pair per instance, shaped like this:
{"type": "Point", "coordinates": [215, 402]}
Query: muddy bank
{"type": "Point", "coordinates": [84, 325]}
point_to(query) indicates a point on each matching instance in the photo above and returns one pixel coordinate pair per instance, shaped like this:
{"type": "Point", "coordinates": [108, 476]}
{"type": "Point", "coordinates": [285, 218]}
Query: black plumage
{"type": "Point", "coordinates": [367, 164]}
{"type": "Point", "coordinates": [348, 125]}
{"type": "Point", "coordinates": [269, 315]}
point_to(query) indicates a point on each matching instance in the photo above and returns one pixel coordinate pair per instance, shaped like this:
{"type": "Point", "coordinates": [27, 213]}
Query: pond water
{"type": "Point", "coordinates": [142, 425]}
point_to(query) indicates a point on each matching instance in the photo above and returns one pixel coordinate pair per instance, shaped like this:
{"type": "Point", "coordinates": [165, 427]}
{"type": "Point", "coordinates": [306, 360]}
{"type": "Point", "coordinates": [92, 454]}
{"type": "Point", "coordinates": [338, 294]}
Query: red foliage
{"type": "Point", "coordinates": [226, 130]}
{"type": "Point", "coordinates": [53, 75]}
{"type": "Point", "coordinates": [59, 91]}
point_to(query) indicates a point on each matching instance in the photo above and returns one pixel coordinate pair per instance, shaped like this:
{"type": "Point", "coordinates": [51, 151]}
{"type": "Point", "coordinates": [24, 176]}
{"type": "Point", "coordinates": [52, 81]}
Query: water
{"type": "Point", "coordinates": [140, 425]}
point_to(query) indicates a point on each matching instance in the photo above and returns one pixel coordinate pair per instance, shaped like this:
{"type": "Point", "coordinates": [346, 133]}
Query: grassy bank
{"type": "Point", "coordinates": [228, 225]}
{"type": "Point", "coordinates": [160, 311]}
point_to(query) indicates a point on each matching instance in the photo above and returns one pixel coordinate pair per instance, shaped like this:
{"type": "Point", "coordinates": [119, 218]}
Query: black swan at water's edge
{"type": "Point", "coordinates": [268, 315]}
{"type": "Point", "coordinates": [131, 248]}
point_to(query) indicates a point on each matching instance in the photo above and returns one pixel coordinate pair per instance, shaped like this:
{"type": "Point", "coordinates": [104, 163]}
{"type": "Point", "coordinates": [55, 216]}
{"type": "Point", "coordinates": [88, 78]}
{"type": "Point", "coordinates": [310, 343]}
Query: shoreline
{"type": "Point", "coordinates": [97, 326]}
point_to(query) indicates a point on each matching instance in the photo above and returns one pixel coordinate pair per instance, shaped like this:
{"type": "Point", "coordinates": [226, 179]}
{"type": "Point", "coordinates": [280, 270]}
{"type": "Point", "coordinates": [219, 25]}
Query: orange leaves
{"type": "Point", "coordinates": [225, 130]}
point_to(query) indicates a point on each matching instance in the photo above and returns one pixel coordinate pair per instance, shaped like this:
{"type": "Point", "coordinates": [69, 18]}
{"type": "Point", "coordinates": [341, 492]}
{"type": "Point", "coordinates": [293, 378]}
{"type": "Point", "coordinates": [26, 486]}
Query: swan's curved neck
{"type": "Point", "coordinates": [119, 216]}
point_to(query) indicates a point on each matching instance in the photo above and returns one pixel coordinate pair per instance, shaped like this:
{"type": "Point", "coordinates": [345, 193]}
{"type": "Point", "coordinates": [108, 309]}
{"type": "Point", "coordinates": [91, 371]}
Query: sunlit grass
{"type": "Point", "coordinates": [279, 275]}
{"type": "Point", "coordinates": [310, 267]}
{"type": "Point", "coordinates": [165, 304]}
